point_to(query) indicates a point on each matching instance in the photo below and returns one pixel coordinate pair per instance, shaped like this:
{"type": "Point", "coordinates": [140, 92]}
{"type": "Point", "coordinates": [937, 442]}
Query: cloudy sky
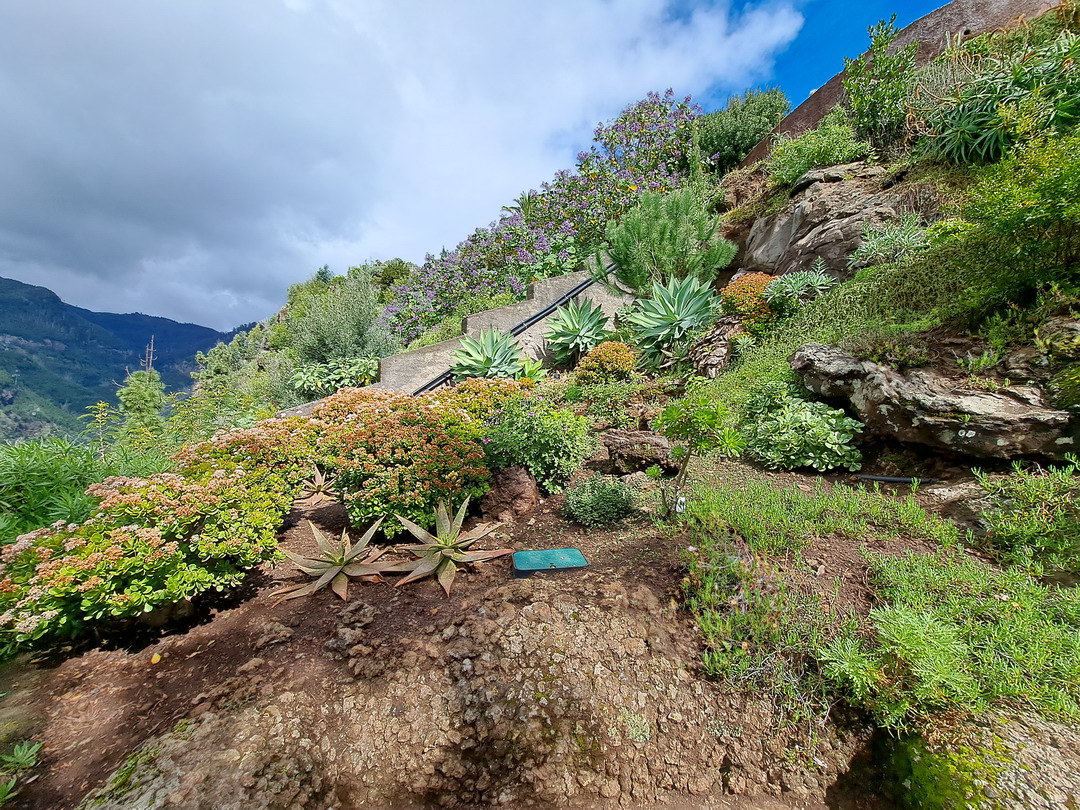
{"type": "Point", "coordinates": [193, 158]}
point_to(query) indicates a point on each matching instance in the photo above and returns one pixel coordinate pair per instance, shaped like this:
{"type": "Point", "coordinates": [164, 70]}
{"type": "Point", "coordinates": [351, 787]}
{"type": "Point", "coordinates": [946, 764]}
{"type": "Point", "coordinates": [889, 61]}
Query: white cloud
{"type": "Point", "coordinates": [194, 159]}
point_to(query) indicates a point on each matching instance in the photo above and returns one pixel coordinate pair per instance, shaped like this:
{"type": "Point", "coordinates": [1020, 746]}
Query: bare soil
{"type": "Point", "coordinates": [578, 689]}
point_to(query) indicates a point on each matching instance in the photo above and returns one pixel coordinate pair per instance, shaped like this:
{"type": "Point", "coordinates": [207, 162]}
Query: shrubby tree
{"type": "Point", "coordinates": [877, 85]}
{"type": "Point", "coordinates": [728, 135]}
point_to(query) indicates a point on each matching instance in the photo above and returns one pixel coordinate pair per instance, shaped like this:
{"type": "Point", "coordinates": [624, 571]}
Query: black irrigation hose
{"type": "Point", "coordinates": [532, 320]}
{"type": "Point", "coordinates": [898, 479]}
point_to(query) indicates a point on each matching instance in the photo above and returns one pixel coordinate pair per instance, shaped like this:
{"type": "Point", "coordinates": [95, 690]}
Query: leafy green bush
{"type": "Point", "coordinates": [491, 354]}
{"type": "Point", "coordinates": [550, 443]}
{"type": "Point", "coordinates": [877, 84]}
{"type": "Point", "coordinates": [663, 324]}
{"type": "Point", "coordinates": [890, 241]}
{"type": "Point", "coordinates": [786, 293]}
{"type": "Point", "coordinates": [728, 135]}
{"type": "Point", "coordinates": [957, 635]}
{"type": "Point", "coordinates": [574, 329]}
{"type": "Point", "coordinates": [395, 453]}
{"type": "Point", "coordinates": [1034, 520]}
{"type": "Point", "coordinates": [787, 432]}
{"type": "Point", "coordinates": [611, 361]}
{"type": "Point", "coordinates": [665, 236]}
{"type": "Point", "coordinates": [833, 142]}
{"type": "Point", "coordinates": [319, 379]}
{"type": "Point", "coordinates": [608, 401]}
{"type": "Point", "coordinates": [598, 501]}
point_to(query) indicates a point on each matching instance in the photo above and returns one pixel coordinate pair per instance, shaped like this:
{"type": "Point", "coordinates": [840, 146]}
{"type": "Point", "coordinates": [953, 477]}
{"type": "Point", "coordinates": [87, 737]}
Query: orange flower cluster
{"type": "Point", "coordinates": [611, 361]}
{"type": "Point", "coordinates": [745, 296]}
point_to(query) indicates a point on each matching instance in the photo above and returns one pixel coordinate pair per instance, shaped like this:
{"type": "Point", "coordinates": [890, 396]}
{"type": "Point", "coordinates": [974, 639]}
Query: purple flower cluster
{"type": "Point", "coordinates": [644, 149]}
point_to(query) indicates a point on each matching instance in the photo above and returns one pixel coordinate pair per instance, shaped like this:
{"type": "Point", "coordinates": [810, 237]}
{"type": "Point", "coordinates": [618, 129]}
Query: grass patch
{"type": "Point", "coordinates": [773, 520]}
{"type": "Point", "coordinates": [958, 635]}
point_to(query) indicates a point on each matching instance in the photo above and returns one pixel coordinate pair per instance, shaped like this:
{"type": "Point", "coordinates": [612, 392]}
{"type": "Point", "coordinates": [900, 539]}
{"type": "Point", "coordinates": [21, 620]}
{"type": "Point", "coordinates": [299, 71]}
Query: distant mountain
{"type": "Point", "coordinates": [56, 359]}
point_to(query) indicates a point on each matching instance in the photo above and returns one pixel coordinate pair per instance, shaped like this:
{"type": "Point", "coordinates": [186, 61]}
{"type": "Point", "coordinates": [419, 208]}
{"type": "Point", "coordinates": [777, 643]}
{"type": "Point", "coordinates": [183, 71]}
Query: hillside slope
{"type": "Point", "coordinates": [56, 359]}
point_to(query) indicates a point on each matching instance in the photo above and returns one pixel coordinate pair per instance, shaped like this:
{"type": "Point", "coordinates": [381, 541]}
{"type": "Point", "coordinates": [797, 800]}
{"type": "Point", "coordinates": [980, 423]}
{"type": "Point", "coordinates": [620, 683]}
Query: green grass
{"type": "Point", "coordinates": [773, 520]}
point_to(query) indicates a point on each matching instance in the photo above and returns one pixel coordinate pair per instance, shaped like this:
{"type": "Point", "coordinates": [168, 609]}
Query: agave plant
{"type": "Point", "coordinates": [574, 329]}
{"type": "Point", "coordinates": [337, 563]}
{"type": "Point", "coordinates": [491, 354]}
{"type": "Point", "coordinates": [661, 324]}
{"type": "Point", "coordinates": [320, 486]}
{"type": "Point", "coordinates": [440, 554]}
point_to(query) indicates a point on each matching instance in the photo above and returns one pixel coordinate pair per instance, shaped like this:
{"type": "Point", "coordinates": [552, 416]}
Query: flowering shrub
{"type": "Point", "coordinates": [481, 398]}
{"type": "Point", "coordinates": [550, 443]}
{"type": "Point", "coordinates": [394, 453]}
{"type": "Point", "coordinates": [746, 296]}
{"type": "Point", "coordinates": [643, 149]}
{"type": "Point", "coordinates": [609, 362]}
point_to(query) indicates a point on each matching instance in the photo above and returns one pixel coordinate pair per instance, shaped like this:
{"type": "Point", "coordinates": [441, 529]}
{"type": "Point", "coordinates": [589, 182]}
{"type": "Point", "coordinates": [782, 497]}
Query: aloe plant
{"type": "Point", "coordinates": [320, 486]}
{"type": "Point", "coordinates": [491, 354]}
{"type": "Point", "coordinates": [439, 554]}
{"type": "Point", "coordinates": [574, 329]}
{"type": "Point", "coordinates": [661, 324]}
{"type": "Point", "coordinates": [337, 564]}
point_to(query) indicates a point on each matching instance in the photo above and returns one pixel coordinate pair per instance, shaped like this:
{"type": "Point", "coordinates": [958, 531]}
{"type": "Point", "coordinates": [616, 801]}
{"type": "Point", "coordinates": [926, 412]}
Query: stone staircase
{"type": "Point", "coordinates": [410, 370]}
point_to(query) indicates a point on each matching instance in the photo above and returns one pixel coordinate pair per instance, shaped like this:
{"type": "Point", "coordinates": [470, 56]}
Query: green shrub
{"type": "Point", "coordinates": [480, 399]}
{"type": "Point", "coordinates": [662, 325]}
{"type": "Point", "coordinates": [608, 402]}
{"type": "Point", "coordinates": [611, 361]}
{"type": "Point", "coordinates": [574, 329]}
{"type": "Point", "coordinates": [598, 501]}
{"type": "Point", "coordinates": [491, 354]}
{"type": "Point", "coordinates": [1034, 519]}
{"type": "Point", "coordinates": [666, 236]}
{"type": "Point", "coordinates": [728, 135]}
{"type": "Point", "coordinates": [790, 291]}
{"type": "Point", "coordinates": [550, 443]}
{"type": "Point", "coordinates": [957, 635]}
{"type": "Point", "coordinates": [898, 350]}
{"type": "Point", "coordinates": [319, 379]}
{"type": "Point", "coordinates": [876, 86]}
{"type": "Point", "coordinates": [787, 432]}
{"type": "Point", "coordinates": [833, 142]}
{"type": "Point", "coordinates": [393, 453]}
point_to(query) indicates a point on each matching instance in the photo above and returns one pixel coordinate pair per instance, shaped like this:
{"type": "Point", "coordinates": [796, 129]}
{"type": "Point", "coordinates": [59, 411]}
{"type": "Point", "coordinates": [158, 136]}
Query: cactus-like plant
{"type": "Point", "coordinates": [439, 554]}
{"type": "Point", "coordinates": [320, 486]}
{"type": "Point", "coordinates": [661, 324]}
{"type": "Point", "coordinates": [491, 354]}
{"type": "Point", "coordinates": [788, 292]}
{"type": "Point", "coordinates": [575, 329]}
{"type": "Point", "coordinates": [337, 563]}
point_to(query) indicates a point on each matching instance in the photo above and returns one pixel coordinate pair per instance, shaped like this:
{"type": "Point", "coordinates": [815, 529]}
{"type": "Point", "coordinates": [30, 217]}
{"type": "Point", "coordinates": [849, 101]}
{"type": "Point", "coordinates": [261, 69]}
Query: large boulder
{"type": "Point", "coordinates": [823, 219]}
{"type": "Point", "coordinates": [628, 451]}
{"type": "Point", "coordinates": [926, 407]}
{"type": "Point", "coordinates": [513, 493]}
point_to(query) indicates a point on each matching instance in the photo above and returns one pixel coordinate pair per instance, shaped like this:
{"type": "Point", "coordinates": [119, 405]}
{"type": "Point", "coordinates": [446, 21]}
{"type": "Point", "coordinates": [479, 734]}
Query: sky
{"type": "Point", "coordinates": [193, 159]}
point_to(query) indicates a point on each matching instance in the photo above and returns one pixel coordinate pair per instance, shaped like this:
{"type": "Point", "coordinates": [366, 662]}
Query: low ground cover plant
{"type": "Point", "coordinates": [1034, 517]}
{"type": "Point", "coordinates": [958, 635]}
{"type": "Point", "coordinates": [599, 500]}
{"type": "Point", "coordinates": [785, 431]}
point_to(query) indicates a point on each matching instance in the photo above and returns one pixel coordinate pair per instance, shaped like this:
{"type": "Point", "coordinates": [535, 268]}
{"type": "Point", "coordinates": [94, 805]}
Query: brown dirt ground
{"type": "Point", "coordinates": [94, 709]}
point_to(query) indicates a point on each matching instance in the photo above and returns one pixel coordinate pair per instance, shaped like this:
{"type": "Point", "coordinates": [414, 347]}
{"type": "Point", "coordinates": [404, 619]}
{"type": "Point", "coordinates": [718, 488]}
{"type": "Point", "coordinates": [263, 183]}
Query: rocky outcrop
{"type": "Point", "coordinates": [513, 493]}
{"type": "Point", "coordinates": [628, 451]}
{"type": "Point", "coordinates": [926, 407]}
{"type": "Point", "coordinates": [824, 219]}
{"type": "Point", "coordinates": [715, 351]}
{"type": "Point", "coordinates": [1021, 761]}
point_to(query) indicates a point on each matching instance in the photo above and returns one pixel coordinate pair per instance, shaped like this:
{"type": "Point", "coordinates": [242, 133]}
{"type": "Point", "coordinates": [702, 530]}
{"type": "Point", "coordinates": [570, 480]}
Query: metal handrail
{"type": "Point", "coordinates": [532, 320]}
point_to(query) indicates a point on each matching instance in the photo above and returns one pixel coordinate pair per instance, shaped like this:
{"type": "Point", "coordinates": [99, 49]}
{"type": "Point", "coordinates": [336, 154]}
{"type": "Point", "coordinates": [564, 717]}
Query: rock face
{"type": "Point", "coordinates": [628, 451]}
{"type": "Point", "coordinates": [823, 219]}
{"type": "Point", "coordinates": [713, 353]}
{"type": "Point", "coordinates": [513, 493]}
{"type": "Point", "coordinates": [921, 406]}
